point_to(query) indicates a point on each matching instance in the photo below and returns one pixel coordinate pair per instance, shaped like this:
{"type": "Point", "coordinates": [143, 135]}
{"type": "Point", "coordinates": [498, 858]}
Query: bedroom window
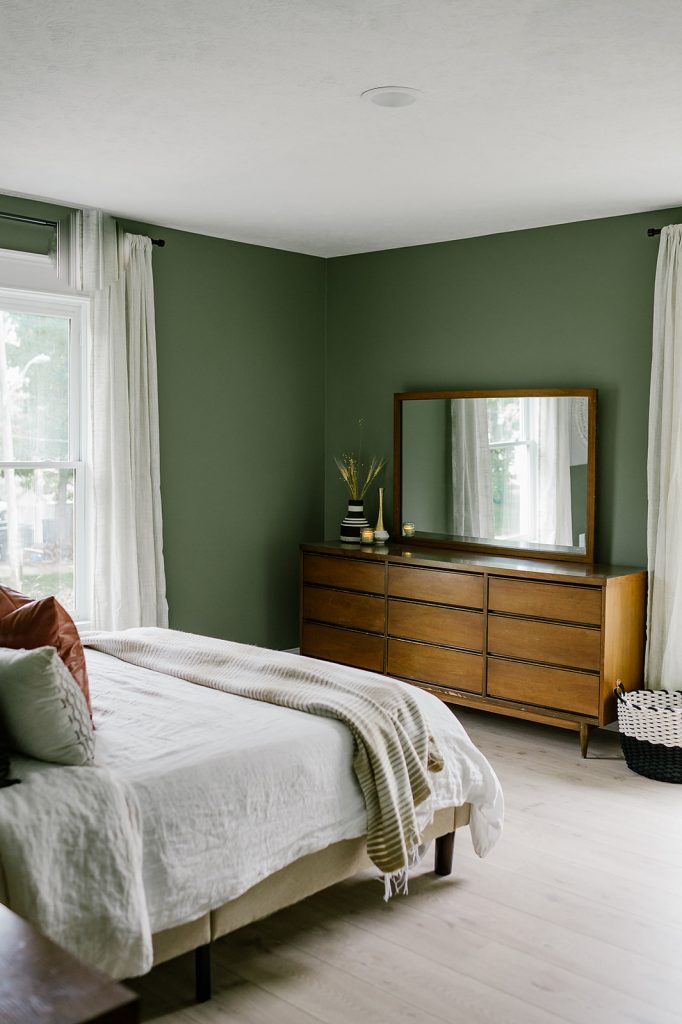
{"type": "Point", "coordinates": [43, 513]}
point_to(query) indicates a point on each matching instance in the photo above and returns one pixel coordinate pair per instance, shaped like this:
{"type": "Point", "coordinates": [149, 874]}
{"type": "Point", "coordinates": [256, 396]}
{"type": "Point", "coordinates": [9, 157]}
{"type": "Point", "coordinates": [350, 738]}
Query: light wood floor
{"type": "Point", "coordinates": [576, 916]}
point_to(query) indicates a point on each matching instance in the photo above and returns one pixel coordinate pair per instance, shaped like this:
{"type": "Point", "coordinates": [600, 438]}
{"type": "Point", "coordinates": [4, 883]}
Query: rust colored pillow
{"type": "Point", "coordinates": [11, 599]}
{"type": "Point", "coordinates": [46, 624]}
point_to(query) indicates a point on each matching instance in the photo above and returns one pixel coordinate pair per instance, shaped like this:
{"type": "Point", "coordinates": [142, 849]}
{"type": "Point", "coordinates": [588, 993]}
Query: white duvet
{"type": "Point", "coordinates": [230, 790]}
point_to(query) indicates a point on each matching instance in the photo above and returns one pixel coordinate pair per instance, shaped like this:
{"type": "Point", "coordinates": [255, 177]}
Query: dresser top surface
{"type": "Point", "coordinates": [466, 561]}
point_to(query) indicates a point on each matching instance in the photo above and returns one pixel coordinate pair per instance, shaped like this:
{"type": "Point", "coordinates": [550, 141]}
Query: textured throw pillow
{"type": "Point", "coordinates": [45, 623]}
{"type": "Point", "coordinates": [11, 599]}
{"type": "Point", "coordinates": [42, 709]}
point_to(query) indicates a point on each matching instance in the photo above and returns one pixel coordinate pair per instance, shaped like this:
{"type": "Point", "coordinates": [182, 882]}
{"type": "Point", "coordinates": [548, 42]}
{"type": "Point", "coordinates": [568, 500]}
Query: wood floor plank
{"type": "Point", "coordinates": [317, 987]}
{"type": "Point", "coordinates": [425, 991]}
{"type": "Point", "coordinates": [430, 931]}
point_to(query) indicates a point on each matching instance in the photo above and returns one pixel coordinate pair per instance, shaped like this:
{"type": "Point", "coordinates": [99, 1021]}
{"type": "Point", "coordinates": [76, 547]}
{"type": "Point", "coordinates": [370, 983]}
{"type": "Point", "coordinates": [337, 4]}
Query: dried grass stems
{"type": "Point", "coordinates": [354, 474]}
{"type": "Point", "coordinates": [356, 477]}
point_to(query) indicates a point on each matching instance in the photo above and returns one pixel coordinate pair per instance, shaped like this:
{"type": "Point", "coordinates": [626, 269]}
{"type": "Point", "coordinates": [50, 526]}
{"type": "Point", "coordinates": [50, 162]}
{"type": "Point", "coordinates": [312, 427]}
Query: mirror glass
{"type": "Point", "coordinates": [508, 471]}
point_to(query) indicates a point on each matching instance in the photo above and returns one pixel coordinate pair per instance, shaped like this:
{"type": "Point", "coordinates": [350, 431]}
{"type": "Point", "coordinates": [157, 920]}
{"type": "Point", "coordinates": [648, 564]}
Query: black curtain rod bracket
{"type": "Point", "coordinates": [159, 241]}
{"type": "Point", "coordinates": [652, 232]}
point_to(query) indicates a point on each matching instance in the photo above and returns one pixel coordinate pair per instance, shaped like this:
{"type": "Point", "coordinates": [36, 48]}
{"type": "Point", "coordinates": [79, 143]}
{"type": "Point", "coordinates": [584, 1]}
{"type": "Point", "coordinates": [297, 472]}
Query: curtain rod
{"type": "Point", "coordinates": [29, 220]}
{"type": "Point", "coordinates": [43, 223]}
{"type": "Point", "coordinates": [653, 231]}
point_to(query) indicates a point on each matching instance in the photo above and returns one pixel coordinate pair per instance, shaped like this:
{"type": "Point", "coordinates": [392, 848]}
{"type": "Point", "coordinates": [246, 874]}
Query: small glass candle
{"type": "Point", "coordinates": [367, 535]}
{"type": "Point", "coordinates": [408, 529]}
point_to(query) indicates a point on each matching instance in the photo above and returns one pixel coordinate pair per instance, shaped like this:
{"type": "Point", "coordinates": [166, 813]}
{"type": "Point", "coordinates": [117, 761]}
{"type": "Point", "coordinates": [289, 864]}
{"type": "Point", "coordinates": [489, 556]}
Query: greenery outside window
{"type": "Point", "coordinates": [43, 481]}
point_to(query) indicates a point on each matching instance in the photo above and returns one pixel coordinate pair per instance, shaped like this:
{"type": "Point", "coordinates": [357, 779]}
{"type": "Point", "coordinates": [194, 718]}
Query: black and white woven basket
{"type": "Point", "coordinates": [650, 724]}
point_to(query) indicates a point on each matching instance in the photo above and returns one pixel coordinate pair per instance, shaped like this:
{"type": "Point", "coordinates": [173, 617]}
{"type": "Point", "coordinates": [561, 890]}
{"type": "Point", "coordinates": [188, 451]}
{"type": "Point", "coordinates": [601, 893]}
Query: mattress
{"type": "Point", "coordinates": [231, 790]}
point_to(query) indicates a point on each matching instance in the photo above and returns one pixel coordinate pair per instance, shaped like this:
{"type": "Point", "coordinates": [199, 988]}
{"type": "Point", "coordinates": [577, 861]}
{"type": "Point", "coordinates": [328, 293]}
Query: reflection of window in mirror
{"type": "Point", "coordinates": [519, 469]}
{"type": "Point", "coordinates": [513, 464]}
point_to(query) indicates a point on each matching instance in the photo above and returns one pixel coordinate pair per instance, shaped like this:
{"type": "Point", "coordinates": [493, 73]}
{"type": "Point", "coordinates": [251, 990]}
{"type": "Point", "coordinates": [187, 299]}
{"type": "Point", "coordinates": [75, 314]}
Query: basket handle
{"type": "Point", "coordinates": [619, 691]}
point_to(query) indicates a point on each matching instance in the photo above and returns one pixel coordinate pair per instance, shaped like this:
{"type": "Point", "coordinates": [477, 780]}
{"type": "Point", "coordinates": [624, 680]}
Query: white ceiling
{"type": "Point", "coordinates": [243, 118]}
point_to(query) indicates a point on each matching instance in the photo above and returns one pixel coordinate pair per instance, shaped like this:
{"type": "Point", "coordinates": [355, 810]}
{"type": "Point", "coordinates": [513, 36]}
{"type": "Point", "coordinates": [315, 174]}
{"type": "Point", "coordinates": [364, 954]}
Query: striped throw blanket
{"type": "Point", "coordinates": [393, 751]}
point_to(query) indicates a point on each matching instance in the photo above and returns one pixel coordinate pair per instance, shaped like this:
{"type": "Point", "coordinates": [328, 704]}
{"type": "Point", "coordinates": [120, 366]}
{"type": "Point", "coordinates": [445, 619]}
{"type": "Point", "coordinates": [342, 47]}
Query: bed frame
{"type": "Point", "coordinates": [295, 882]}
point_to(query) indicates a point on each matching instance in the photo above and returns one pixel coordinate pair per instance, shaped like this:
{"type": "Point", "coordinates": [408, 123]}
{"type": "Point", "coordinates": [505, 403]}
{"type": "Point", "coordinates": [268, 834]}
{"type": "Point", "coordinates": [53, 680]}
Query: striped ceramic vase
{"type": "Point", "coordinates": [354, 521]}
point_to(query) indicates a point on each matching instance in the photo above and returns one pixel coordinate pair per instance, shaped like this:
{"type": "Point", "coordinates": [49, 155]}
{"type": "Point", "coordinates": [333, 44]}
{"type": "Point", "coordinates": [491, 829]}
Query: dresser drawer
{"type": "Point", "coordinates": [555, 688]}
{"type": "Point", "coordinates": [457, 588]}
{"type": "Point", "coordinates": [358, 649]}
{"type": "Point", "coordinates": [435, 625]}
{"type": "Point", "coordinates": [339, 608]}
{"type": "Point", "coordinates": [348, 573]}
{"type": "Point", "coordinates": [456, 669]}
{"type": "Point", "coordinates": [546, 600]}
{"type": "Point", "coordinates": [549, 642]}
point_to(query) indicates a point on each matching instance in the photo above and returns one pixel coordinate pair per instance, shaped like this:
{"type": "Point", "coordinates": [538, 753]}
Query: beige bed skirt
{"type": "Point", "coordinates": [296, 881]}
{"type": "Point", "coordinates": [308, 875]}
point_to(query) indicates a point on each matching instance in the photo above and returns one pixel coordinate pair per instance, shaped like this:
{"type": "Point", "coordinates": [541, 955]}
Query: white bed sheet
{"type": "Point", "coordinates": [231, 790]}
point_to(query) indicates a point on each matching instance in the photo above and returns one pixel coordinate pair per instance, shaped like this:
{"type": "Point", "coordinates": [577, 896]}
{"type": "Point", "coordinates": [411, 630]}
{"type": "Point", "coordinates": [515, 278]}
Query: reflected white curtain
{"type": "Point", "coordinates": [553, 517]}
{"type": "Point", "coordinates": [129, 587]}
{"type": "Point", "coordinates": [664, 527]}
{"type": "Point", "coordinates": [471, 485]}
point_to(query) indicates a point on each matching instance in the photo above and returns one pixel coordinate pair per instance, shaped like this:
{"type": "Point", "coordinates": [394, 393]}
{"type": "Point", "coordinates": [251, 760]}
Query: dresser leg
{"type": "Point", "coordinates": [584, 738]}
{"type": "Point", "coordinates": [445, 846]}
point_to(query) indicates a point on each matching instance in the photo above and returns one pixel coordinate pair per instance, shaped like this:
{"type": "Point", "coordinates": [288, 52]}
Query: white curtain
{"type": "Point", "coordinates": [553, 519]}
{"type": "Point", "coordinates": [664, 527]}
{"type": "Point", "coordinates": [472, 482]}
{"type": "Point", "coordinates": [129, 577]}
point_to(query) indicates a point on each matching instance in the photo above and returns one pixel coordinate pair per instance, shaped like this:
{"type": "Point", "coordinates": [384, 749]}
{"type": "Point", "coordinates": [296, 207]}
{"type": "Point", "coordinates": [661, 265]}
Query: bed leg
{"type": "Point", "coordinates": [202, 972]}
{"type": "Point", "coordinates": [445, 847]}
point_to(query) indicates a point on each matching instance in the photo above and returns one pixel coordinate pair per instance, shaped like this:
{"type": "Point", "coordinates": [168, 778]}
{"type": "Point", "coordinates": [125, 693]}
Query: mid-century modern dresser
{"type": "Point", "coordinates": [545, 641]}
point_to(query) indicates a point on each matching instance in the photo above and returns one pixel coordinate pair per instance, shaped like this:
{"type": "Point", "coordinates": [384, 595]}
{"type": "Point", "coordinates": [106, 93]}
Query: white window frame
{"type": "Point", "coordinates": [77, 309]}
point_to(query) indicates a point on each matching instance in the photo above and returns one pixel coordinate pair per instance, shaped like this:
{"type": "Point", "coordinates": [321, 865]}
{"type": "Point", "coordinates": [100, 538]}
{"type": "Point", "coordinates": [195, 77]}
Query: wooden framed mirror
{"type": "Point", "coordinates": [509, 472]}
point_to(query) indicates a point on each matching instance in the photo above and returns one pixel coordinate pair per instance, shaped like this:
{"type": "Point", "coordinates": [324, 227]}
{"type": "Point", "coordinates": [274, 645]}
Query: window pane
{"type": "Point", "coordinates": [21, 237]}
{"type": "Point", "coordinates": [34, 387]}
{"type": "Point", "coordinates": [504, 420]}
{"type": "Point", "coordinates": [36, 532]}
{"type": "Point", "coordinates": [510, 474]}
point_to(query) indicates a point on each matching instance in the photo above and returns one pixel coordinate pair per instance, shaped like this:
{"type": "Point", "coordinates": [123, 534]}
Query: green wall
{"type": "Point", "coordinates": [240, 333]}
{"type": "Point", "coordinates": [240, 341]}
{"type": "Point", "coordinates": [426, 473]}
{"type": "Point", "coordinates": [565, 306]}
{"type": "Point", "coordinates": [245, 377]}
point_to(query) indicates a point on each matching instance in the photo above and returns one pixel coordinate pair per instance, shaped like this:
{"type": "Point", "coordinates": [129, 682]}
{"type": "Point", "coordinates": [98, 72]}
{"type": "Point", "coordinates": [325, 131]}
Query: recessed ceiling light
{"type": "Point", "coordinates": [391, 96]}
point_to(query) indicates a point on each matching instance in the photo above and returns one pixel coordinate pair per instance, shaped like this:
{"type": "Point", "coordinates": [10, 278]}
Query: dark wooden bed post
{"type": "Point", "coordinates": [445, 847]}
{"type": "Point", "coordinates": [202, 972]}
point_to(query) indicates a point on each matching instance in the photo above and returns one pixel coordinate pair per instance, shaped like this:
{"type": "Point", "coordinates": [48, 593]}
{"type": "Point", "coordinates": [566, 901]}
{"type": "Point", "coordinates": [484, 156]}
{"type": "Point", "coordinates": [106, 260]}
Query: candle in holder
{"type": "Point", "coordinates": [408, 529]}
{"type": "Point", "coordinates": [367, 535]}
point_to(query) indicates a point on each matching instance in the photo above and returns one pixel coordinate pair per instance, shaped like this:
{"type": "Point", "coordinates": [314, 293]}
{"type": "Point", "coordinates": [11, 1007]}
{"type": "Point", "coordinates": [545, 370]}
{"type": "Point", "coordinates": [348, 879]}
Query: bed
{"type": "Point", "coordinates": [233, 808]}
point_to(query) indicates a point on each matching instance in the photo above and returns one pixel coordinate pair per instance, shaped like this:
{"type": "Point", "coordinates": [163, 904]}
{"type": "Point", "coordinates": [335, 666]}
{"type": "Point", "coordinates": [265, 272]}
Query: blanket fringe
{"type": "Point", "coordinates": [396, 882]}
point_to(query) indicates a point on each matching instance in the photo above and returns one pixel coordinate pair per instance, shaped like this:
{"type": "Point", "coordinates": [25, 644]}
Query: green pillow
{"type": "Point", "coordinates": [42, 710]}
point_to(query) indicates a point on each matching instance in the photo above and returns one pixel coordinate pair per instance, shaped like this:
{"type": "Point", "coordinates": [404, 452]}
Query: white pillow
{"type": "Point", "coordinates": [42, 709]}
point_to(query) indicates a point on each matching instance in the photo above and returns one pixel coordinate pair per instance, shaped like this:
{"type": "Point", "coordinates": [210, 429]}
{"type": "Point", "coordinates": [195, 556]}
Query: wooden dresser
{"type": "Point", "coordinates": [544, 641]}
